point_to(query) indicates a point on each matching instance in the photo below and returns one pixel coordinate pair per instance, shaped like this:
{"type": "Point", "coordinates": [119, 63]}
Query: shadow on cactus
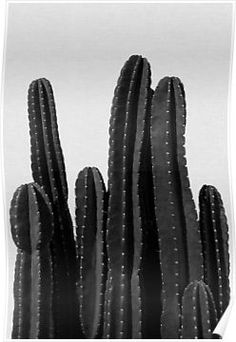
{"type": "Point", "coordinates": [141, 264]}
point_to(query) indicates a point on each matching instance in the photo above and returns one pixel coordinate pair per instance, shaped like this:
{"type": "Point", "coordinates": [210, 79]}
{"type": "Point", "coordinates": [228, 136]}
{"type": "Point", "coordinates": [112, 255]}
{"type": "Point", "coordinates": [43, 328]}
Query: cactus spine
{"type": "Point", "coordinates": [199, 316]}
{"type": "Point", "coordinates": [32, 228]}
{"type": "Point", "coordinates": [90, 195]}
{"type": "Point", "coordinates": [214, 234]}
{"type": "Point", "coordinates": [49, 171]}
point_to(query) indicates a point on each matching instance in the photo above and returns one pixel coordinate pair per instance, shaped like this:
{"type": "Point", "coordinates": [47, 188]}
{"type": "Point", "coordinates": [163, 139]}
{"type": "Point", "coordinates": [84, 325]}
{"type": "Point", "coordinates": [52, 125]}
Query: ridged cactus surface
{"type": "Point", "coordinates": [138, 263]}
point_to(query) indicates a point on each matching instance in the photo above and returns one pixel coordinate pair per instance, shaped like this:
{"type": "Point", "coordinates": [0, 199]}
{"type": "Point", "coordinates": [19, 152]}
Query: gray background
{"type": "Point", "coordinates": [81, 48]}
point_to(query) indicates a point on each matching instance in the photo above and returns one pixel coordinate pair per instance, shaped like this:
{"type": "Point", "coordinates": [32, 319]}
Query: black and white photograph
{"type": "Point", "coordinates": [117, 182]}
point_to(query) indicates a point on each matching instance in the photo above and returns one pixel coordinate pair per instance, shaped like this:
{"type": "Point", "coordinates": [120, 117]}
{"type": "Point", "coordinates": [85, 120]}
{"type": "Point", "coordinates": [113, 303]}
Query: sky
{"type": "Point", "coordinates": [81, 48]}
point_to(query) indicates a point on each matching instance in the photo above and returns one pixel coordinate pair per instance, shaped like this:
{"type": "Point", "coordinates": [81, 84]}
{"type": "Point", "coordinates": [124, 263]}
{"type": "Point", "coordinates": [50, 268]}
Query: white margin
{"type": "Point", "coordinates": [3, 245]}
{"type": "Point", "coordinates": [227, 325]}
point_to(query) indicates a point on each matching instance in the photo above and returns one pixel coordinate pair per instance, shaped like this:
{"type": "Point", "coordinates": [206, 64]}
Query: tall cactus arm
{"type": "Point", "coordinates": [214, 233]}
{"type": "Point", "coordinates": [49, 171]}
{"type": "Point", "coordinates": [46, 154]}
{"type": "Point", "coordinates": [118, 322]}
{"type": "Point", "coordinates": [90, 219]}
{"type": "Point", "coordinates": [179, 235]}
{"type": "Point", "coordinates": [32, 228]}
{"type": "Point", "coordinates": [198, 312]}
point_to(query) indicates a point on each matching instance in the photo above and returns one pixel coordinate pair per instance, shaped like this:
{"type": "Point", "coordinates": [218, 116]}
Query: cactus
{"type": "Point", "coordinates": [90, 222]}
{"type": "Point", "coordinates": [49, 171]}
{"type": "Point", "coordinates": [214, 235]}
{"type": "Point", "coordinates": [179, 236]}
{"type": "Point", "coordinates": [141, 266]}
{"type": "Point", "coordinates": [199, 316]}
{"type": "Point", "coordinates": [32, 228]}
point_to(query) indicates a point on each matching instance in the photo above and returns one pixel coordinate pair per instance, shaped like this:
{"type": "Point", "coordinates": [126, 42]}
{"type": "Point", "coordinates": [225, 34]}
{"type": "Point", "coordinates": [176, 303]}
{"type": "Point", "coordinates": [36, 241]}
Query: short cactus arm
{"type": "Point", "coordinates": [179, 235]}
{"type": "Point", "coordinates": [214, 233]}
{"type": "Point", "coordinates": [32, 211]}
{"type": "Point", "coordinates": [198, 312]}
{"type": "Point", "coordinates": [19, 219]}
{"type": "Point", "coordinates": [90, 221]}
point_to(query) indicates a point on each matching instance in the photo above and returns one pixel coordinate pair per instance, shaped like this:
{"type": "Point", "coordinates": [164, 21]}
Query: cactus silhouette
{"type": "Point", "coordinates": [91, 204]}
{"type": "Point", "coordinates": [199, 316]}
{"type": "Point", "coordinates": [141, 264]}
{"type": "Point", "coordinates": [214, 234]}
{"type": "Point", "coordinates": [32, 228]}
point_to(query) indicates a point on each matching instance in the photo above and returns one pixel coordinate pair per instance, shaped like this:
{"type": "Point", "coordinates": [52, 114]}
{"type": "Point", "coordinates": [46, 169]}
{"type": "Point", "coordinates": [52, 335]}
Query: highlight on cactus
{"type": "Point", "coordinates": [141, 262]}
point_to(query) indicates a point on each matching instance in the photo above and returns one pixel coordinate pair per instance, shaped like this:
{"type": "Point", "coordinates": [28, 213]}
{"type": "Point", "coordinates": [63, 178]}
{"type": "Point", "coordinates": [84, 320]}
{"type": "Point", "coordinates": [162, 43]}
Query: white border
{"type": "Point", "coordinates": [227, 324]}
{"type": "Point", "coordinates": [3, 239]}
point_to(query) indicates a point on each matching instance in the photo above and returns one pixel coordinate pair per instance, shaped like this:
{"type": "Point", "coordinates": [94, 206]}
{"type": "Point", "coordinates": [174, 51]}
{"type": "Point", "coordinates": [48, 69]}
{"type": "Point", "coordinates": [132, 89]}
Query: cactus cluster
{"type": "Point", "coordinates": [140, 264]}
